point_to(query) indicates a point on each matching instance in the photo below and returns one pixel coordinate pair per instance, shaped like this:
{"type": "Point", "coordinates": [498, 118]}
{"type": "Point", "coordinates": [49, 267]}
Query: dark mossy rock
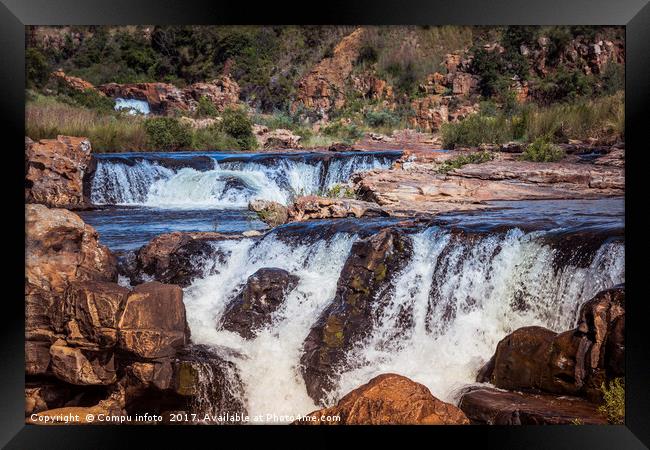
{"type": "Point", "coordinates": [365, 279]}
{"type": "Point", "coordinates": [263, 293]}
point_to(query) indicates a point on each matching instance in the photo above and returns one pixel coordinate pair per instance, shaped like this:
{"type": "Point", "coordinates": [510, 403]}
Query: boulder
{"type": "Point", "coordinates": [340, 147]}
{"type": "Point", "coordinates": [78, 415]}
{"type": "Point", "coordinates": [89, 313]}
{"type": "Point", "coordinates": [389, 399]}
{"type": "Point", "coordinates": [54, 171]}
{"type": "Point", "coordinates": [365, 280]}
{"type": "Point", "coordinates": [74, 83]}
{"type": "Point", "coordinates": [177, 257]}
{"type": "Point", "coordinates": [575, 362]}
{"type": "Point", "coordinates": [153, 323]}
{"type": "Point", "coordinates": [163, 98]}
{"type": "Point", "coordinates": [429, 113]}
{"type": "Point", "coordinates": [261, 296]}
{"type": "Point", "coordinates": [82, 367]}
{"type": "Point", "coordinates": [276, 139]}
{"type": "Point", "coordinates": [496, 407]}
{"type": "Point", "coordinates": [270, 212]}
{"type": "Point", "coordinates": [37, 357]}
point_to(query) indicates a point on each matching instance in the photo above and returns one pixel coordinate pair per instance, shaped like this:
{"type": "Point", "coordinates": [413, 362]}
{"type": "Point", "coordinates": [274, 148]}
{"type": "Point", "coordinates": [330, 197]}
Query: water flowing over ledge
{"type": "Point", "coordinates": [443, 314]}
{"type": "Point", "coordinates": [222, 181]}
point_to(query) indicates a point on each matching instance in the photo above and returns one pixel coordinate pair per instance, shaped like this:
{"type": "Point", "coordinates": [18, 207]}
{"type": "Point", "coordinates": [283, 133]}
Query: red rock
{"type": "Point", "coordinates": [54, 171]}
{"type": "Point", "coordinates": [389, 399]}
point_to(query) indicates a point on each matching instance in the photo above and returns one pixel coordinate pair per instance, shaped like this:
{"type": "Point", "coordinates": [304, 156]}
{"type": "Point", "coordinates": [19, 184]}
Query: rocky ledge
{"type": "Point", "coordinates": [94, 346]}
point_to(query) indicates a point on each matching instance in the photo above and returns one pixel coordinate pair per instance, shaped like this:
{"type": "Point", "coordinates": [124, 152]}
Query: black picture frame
{"type": "Point", "coordinates": [633, 14]}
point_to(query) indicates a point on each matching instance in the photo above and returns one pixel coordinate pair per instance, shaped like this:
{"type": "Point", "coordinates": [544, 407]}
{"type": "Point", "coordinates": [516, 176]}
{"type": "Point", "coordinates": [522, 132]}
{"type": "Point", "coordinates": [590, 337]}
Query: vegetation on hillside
{"type": "Point", "coordinates": [268, 61]}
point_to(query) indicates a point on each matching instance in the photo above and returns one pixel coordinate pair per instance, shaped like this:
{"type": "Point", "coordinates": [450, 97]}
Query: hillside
{"type": "Point", "coordinates": [326, 84]}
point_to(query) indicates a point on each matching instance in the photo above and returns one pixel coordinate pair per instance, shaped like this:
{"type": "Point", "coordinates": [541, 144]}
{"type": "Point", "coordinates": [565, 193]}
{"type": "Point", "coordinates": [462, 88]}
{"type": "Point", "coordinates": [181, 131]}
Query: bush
{"type": "Point", "coordinates": [460, 161]}
{"type": "Point", "coordinates": [37, 70]}
{"type": "Point", "coordinates": [378, 119]}
{"type": "Point", "coordinates": [348, 133]}
{"type": "Point", "coordinates": [167, 133]}
{"type": "Point", "coordinates": [206, 108]}
{"type": "Point", "coordinates": [541, 150]}
{"type": "Point", "coordinates": [212, 138]}
{"type": "Point", "coordinates": [614, 401]}
{"type": "Point", "coordinates": [475, 130]}
{"type": "Point", "coordinates": [237, 124]}
{"type": "Point", "coordinates": [340, 191]}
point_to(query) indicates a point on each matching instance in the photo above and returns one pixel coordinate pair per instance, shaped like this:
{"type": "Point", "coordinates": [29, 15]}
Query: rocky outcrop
{"type": "Point", "coordinates": [322, 89]}
{"type": "Point", "coordinates": [389, 399]}
{"type": "Point", "coordinates": [575, 362]}
{"type": "Point", "coordinates": [74, 83]}
{"type": "Point", "coordinates": [75, 365]}
{"type": "Point", "coordinates": [429, 113]}
{"type": "Point", "coordinates": [496, 407]}
{"type": "Point", "coordinates": [175, 258]}
{"type": "Point", "coordinates": [277, 139]}
{"type": "Point", "coordinates": [263, 293]}
{"type": "Point", "coordinates": [414, 186]}
{"type": "Point", "coordinates": [314, 207]}
{"type": "Point", "coordinates": [166, 99]}
{"type": "Point", "coordinates": [270, 212]}
{"type": "Point", "coordinates": [364, 281]}
{"type": "Point", "coordinates": [54, 171]}
{"type": "Point", "coordinates": [60, 249]}
{"type": "Point", "coordinates": [153, 323]}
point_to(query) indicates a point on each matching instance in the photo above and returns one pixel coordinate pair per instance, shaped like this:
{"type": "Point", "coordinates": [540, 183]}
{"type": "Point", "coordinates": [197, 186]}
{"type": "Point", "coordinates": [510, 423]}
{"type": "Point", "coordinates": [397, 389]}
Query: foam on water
{"type": "Point", "coordinates": [450, 305]}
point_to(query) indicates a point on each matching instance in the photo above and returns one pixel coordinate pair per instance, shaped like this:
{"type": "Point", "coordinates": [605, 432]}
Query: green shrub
{"type": "Point", "coordinates": [206, 108]}
{"type": "Point", "coordinates": [541, 150]}
{"type": "Point", "coordinates": [213, 138]}
{"type": "Point", "coordinates": [348, 133]}
{"type": "Point", "coordinates": [37, 70]}
{"type": "Point", "coordinates": [167, 133]}
{"type": "Point", "coordinates": [614, 401]}
{"type": "Point", "coordinates": [470, 158]}
{"type": "Point", "coordinates": [475, 130]}
{"type": "Point", "coordinates": [237, 124]}
{"type": "Point", "coordinates": [340, 191]}
{"type": "Point", "coordinates": [379, 119]}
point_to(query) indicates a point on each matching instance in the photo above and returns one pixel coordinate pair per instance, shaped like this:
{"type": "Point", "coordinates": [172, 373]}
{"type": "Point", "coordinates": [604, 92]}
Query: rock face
{"type": "Point", "coordinates": [313, 207]}
{"type": "Point", "coordinates": [60, 249]}
{"type": "Point", "coordinates": [390, 399]}
{"type": "Point", "coordinates": [165, 98]}
{"type": "Point", "coordinates": [77, 366]}
{"type": "Point", "coordinates": [269, 212]}
{"type": "Point", "coordinates": [364, 280]}
{"type": "Point", "coordinates": [176, 258]}
{"type": "Point", "coordinates": [496, 407]}
{"type": "Point", "coordinates": [75, 83]}
{"type": "Point", "coordinates": [323, 87]}
{"type": "Point", "coordinates": [54, 171]}
{"type": "Point", "coordinates": [261, 296]}
{"type": "Point", "coordinates": [153, 323]}
{"type": "Point", "coordinates": [575, 362]}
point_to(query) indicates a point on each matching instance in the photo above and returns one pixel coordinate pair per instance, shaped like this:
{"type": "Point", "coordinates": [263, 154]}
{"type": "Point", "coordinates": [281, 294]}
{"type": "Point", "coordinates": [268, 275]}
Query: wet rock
{"type": "Point", "coordinates": [269, 212]}
{"type": "Point", "coordinates": [82, 367]}
{"type": "Point", "coordinates": [178, 257]}
{"type": "Point", "coordinates": [495, 407]}
{"type": "Point", "coordinates": [340, 147]}
{"type": "Point", "coordinates": [313, 207]}
{"type": "Point", "coordinates": [364, 280]}
{"type": "Point", "coordinates": [153, 324]}
{"type": "Point", "coordinates": [390, 399]}
{"type": "Point", "coordinates": [575, 362]}
{"type": "Point", "coordinates": [89, 313]}
{"type": "Point", "coordinates": [54, 171]}
{"type": "Point", "coordinates": [263, 293]}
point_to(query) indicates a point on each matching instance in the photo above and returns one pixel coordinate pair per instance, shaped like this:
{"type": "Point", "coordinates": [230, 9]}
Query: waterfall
{"type": "Point", "coordinates": [457, 296]}
{"type": "Point", "coordinates": [132, 106]}
{"type": "Point", "coordinates": [225, 183]}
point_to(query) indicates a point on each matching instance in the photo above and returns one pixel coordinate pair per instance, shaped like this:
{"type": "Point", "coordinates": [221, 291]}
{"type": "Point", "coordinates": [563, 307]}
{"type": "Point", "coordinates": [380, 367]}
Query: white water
{"type": "Point", "coordinates": [451, 305]}
{"type": "Point", "coordinates": [132, 106]}
{"type": "Point", "coordinates": [226, 185]}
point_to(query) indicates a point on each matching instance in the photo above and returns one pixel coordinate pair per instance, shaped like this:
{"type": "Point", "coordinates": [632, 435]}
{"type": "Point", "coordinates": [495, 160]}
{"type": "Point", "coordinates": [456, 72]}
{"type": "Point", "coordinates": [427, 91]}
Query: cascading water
{"type": "Point", "coordinates": [224, 183]}
{"type": "Point", "coordinates": [132, 106]}
{"type": "Point", "coordinates": [450, 305]}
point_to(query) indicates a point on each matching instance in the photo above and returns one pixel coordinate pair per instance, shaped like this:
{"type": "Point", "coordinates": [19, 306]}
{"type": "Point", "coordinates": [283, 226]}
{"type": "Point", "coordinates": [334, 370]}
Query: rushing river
{"type": "Point", "coordinates": [525, 263]}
